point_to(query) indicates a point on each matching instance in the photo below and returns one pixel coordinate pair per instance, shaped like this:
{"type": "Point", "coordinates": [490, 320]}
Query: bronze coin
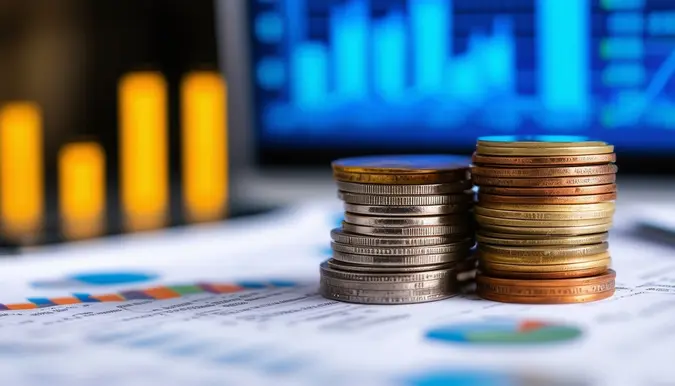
{"type": "Point", "coordinates": [594, 159]}
{"type": "Point", "coordinates": [485, 220]}
{"type": "Point", "coordinates": [569, 299]}
{"type": "Point", "coordinates": [580, 273]}
{"type": "Point", "coordinates": [548, 231]}
{"type": "Point", "coordinates": [490, 266]}
{"type": "Point", "coordinates": [533, 215]}
{"type": "Point", "coordinates": [543, 151]}
{"type": "Point", "coordinates": [541, 291]}
{"type": "Point", "coordinates": [604, 276]}
{"type": "Point", "coordinates": [545, 182]}
{"type": "Point", "coordinates": [587, 199]}
{"type": "Point", "coordinates": [569, 191]}
{"type": "Point", "coordinates": [508, 172]}
{"type": "Point", "coordinates": [484, 237]}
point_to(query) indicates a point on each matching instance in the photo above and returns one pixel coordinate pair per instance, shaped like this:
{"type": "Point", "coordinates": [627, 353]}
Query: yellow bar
{"type": "Point", "coordinates": [82, 190]}
{"type": "Point", "coordinates": [204, 146]}
{"type": "Point", "coordinates": [21, 171]}
{"type": "Point", "coordinates": [143, 151]}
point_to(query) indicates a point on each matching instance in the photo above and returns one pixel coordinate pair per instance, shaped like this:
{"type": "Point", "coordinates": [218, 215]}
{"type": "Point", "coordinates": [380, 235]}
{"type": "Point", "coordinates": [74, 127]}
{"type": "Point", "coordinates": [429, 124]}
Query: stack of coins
{"type": "Point", "coordinates": [544, 209]}
{"type": "Point", "coordinates": [407, 229]}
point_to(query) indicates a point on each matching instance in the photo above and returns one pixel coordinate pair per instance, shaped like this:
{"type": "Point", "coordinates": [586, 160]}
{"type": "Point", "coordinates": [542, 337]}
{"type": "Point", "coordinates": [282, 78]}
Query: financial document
{"type": "Point", "coordinates": [237, 304]}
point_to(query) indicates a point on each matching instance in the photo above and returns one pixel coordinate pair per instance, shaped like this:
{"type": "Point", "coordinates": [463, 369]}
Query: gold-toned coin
{"type": "Point", "coordinates": [589, 199]}
{"type": "Point", "coordinates": [569, 299]}
{"type": "Point", "coordinates": [489, 266]}
{"type": "Point", "coordinates": [537, 141]}
{"type": "Point", "coordinates": [504, 290]}
{"type": "Point", "coordinates": [484, 220]}
{"type": "Point", "coordinates": [506, 253]}
{"type": "Point", "coordinates": [570, 191]}
{"type": "Point", "coordinates": [485, 237]}
{"type": "Point", "coordinates": [533, 276]}
{"type": "Point", "coordinates": [569, 231]}
{"type": "Point", "coordinates": [404, 164]}
{"type": "Point", "coordinates": [541, 172]}
{"type": "Point", "coordinates": [523, 215]}
{"type": "Point", "coordinates": [544, 259]}
{"type": "Point", "coordinates": [603, 277]}
{"type": "Point", "coordinates": [594, 159]}
{"type": "Point", "coordinates": [544, 182]}
{"type": "Point", "coordinates": [550, 208]}
{"type": "Point", "coordinates": [399, 179]}
{"type": "Point", "coordinates": [544, 151]}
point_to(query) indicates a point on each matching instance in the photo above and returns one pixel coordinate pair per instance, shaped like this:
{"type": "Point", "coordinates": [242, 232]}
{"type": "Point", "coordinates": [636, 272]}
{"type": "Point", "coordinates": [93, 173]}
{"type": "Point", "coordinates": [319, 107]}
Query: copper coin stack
{"type": "Point", "coordinates": [407, 231]}
{"type": "Point", "coordinates": [544, 209]}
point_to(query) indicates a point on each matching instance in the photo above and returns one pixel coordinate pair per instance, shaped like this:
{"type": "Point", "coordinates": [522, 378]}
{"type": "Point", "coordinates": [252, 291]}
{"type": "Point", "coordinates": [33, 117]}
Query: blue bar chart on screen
{"type": "Point", "coordinates": [442, 72]}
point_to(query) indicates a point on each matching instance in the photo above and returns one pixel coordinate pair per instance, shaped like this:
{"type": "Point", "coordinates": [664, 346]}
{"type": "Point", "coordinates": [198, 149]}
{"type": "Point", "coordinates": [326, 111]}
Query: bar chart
{"type": "Point", "coordinates": [428, 70]}
{"type": "Point", "coordinates": [144, 159]}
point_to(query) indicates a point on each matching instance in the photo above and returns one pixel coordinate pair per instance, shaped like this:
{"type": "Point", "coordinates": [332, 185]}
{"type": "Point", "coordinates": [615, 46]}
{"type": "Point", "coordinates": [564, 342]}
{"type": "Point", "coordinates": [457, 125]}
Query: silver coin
{"type": "Point", "coordinates": [333, 282]}
{"type": "Point", "coordinates": [384, 300]}
{"type": "Point", "coordinates": [431, 230]}
{"type": "Point", "coordinates": [340, 236]}
{"type": "Point", "coordinates": [403, 190]}
{"type": "Point", "coordinates": [385, 277]}
{"type": "Point", "coordinates": [351, 267]}
{"type": "Point", "coordinates": [403, 251]}
{"type": "Point", "coordinates": [401, 260]}
{"type": "Point", "coordinates": [393, 222]}
{"type": "Point", "coordinates": [440, 199]}
{"type": "Point", "coordinates": [444, 289]}
{"type": "Point", "coordinates": [414, 210]}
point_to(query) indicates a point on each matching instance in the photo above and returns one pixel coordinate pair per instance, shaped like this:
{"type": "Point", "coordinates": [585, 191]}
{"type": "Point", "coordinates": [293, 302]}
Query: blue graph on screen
{"type": "Point", "coordinates": [420, 72]}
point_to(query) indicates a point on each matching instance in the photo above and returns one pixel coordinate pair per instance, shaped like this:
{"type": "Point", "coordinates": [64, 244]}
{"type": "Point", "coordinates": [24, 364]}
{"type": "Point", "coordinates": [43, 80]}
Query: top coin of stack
{"type": "Point", "coordinates": [545, 206]}
{"type": "Point", "coordinates": [406, 231]}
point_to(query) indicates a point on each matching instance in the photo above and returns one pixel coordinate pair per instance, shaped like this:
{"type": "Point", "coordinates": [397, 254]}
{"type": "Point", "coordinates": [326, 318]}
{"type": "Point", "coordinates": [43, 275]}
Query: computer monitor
{"type": "Point", "coordinates": [335, 77]}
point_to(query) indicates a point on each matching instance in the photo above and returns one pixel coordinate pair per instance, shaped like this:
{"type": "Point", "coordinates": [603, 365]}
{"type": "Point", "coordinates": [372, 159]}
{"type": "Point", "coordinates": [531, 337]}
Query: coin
{"type": "Point", "coordinates": [544, 151]}
{"type": "Point", "coordinates": [594, 159]}
{"type": "Point", "coordinates": [605, 276]}
{"type": "Point", "coordinates": [543, 259]}
{"type": "Point", "coordinates": [439, 199]}
{"type": "Point", "coordinates": [462, 246]}
{"type": "Point", "coordinates": [485, 220]}
{"type": "Point", "coordinates": [405, 221]}
{"type": "Point", "coordinates": [399, 179]}
{"type": "Point", "coordinates": [340, 236]}
{"type": "Point", "coordinates": [489, 266]}
{"type": "Point", "coordinates": [485, 237]}
{"type": "Point", "coordinates": [589, 199]}
{"type": "Point", "coordinates": [545, 182]}
{"type": "Point", "coordinates": [569, 231]}
{"type": "Point", "coordinates": [430, 230]}
{"type": "Point", "coordinates": [402, 164]}
{"type": "Point", "coordinates": [571, 171]}
{"type": "Point", "coordinates": [580, 273]}
{"type": "Point", "coordinates": [405, 190]}
{"type": "Point", "coordinates": [546, 299]}
{"type": "Point", "coordinates": [437, 290]}
{"type": "Point", "coordinates": [607, 285]}
{"type": "Point", "coordinates": [411, 210]}
{"type": "Point", "coordinates": [386, 286]}
{"type": "Point", "coordinates": [504, 252]}
{"type": "Point", "coordinates": [538, 141]}
{"type": "Point", "coordinates": [350, 267]}
{"type": "Point", "coordinates": [393, 261]}
{"type": "Point", "coordinates": [384, 299]}
{"type": "Point", "coordinates": [374, 277]}
{"type": "Point", "coordinates": [542, 215]}
{"type": "Point", "coordinates": [549, 208]}
{"type": "Point", "coordinates": [571, 191]}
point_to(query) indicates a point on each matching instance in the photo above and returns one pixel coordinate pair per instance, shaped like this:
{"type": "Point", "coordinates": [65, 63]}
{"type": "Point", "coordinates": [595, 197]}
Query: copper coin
{"type": "Point", "coordinates": [545, 182]}
{"type": "Point", "coordinates": [578, 274]}
{"type": "Point", "coordinates": [543, 151]}
{"type": "Point", "coordinates": [537, 141]}
{"type": "Point", "coordinates": [484, 237]}
{"type": "Point", "coordinates": [593, 159]}
{"type": "Point", "coordinates": [399, 179]}
{"type": "Point", "coordinates": [548, 231]}
{"type": "Point", "coordinates": [540, 291]}
{"type": "Point", "coordinates": [485, 220]}
{"type": "Point", "coordinates": [572, 215]}
{"type": "Point", "coordinates": [569, 299]}
{"type": "Point", "coordinates": [605, 275]}
{"type": "Point", "coordinates": [490, 266]}
{"type": "Point", "coordinates": [508, 253]}
{"type": "Point", "coordinates": [509, 172]}
{"type": "Point", "coordinates": [550, 207]}
{"type": "Point", "coordinates": [571, 191]}
{"type": "Point", "coordinates": [588, 199]}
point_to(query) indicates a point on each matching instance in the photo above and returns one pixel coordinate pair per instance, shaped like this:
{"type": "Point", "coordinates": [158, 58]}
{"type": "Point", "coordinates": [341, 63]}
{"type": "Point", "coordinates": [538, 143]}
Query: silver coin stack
{"type": "Point", "coordinates": [400, 242]}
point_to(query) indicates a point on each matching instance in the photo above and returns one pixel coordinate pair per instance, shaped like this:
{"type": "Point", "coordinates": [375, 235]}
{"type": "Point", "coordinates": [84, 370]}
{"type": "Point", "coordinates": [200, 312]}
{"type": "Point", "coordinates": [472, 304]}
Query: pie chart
{"type": "Point", "coordinates": [502, 331]}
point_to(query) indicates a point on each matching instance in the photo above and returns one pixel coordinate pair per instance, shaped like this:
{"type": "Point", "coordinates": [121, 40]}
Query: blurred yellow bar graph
{"type": "Point", "coordinates": [82, 190]}
{"type": "Point", "coordinates": [21, 171]}
{"type": "Point", "coordinates": [204, 146]}
{"type": "Point", "coordinates": [143, 151]}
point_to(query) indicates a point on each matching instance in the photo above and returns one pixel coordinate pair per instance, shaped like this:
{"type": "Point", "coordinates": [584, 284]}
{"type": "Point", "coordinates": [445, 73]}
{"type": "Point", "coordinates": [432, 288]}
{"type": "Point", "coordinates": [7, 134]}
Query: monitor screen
{"type": "Point", "coordinates": [435, 74]}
